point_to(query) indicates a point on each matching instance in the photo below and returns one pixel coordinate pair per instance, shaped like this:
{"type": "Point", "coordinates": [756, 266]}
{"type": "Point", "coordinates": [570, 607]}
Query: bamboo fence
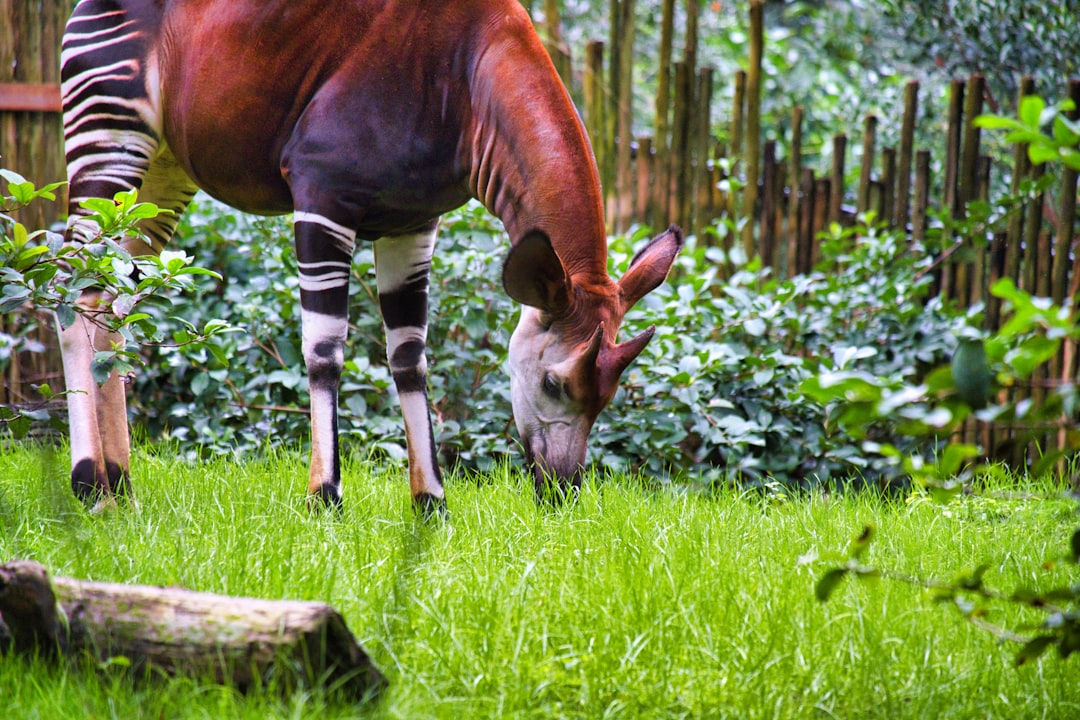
{"type": "Point", "coordinates": [773, 207]}
{"type": "Point", "coordinates": [31, 143]}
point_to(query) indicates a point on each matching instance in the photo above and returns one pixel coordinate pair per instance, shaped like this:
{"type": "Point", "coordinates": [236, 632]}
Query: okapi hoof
{"type": "Point", "coordinates": [428, 507]}
{"type": "Point", "coordinates": [325, 497]}
{"type": "Point", "coordinates": [556, 493]}
{"type": "Point", "coordinates": [101, 493]}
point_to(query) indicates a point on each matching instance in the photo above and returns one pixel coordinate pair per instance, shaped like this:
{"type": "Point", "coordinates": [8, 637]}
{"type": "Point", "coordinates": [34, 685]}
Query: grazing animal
{"type": "Point", "coordinates": [366, 119]}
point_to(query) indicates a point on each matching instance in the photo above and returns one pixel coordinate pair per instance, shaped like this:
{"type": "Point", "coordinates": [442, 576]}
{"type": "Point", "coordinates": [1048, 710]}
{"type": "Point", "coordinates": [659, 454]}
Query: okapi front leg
{"type": "Point", "coordinates": [324, 255]}
{"type": "Point", "coordinates": [401, 269]}
{"type": "Point", "coordinates": [97, 417]}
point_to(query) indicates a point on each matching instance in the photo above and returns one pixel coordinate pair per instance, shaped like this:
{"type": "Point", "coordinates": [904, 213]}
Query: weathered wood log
{"type": "Point", "coordinates": [243, 641]}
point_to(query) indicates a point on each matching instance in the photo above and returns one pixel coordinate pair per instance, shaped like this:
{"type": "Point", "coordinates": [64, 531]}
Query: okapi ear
{"type": "Point", "coordinates": [534, 275]}
{"type": "Point", "coordinates": [650, 266]}
{"type": "Point", "coordinates": [614, 359]}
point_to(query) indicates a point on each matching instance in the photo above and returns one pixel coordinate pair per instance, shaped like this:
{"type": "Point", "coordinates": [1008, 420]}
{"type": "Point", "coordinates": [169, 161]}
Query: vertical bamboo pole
{"type": "Point", "coordinates": [690, 45]}
{"type": "Point", "coordinates": [1021, 170]}
{"type": "Point", "coordinates": [702, 137]}
{"type": "Point", "coordinates": [1014, 238]}
{"type": "Point", "coordinates": [753, 121]}
{"type": "Point", "coordinates": [623, 178]}
{"type": "Point", "coordinates": [1066, 258]}
{"type": "Point", "coordinates": [794, 171]}
{"type": "Point", "coordinates": [952, 145]}
{"type": "Point", "coordinates": [868, 144]}
{"type": "Point", "coordinates": [738, 115]}
{"type": "Point", "coordinates": [967, 183]}
{"type": "Point", "coordinates": [1031, 262]}
{"type": "Point", "coordinates": [680, 142]}
{"type": "Point", "coordinates": [907, 145]}
{"type": "Point", "coordinates": [1066, 215]}
{"type": "Point", "coordinates": [662, 140]}
{"type": "Point", "coordinates": [836, 200]}
{"type": "Point", "coordinates": [921, 200]}
{"type": "Point", "coordinates": [645, 168]}
{"type": "Point", "coordinates": [767, 232]}
{"type": "Point", "coordinates": [805, 254]}
{"type": "Point", "coordinates": [978, 279]}
{"type": "Point", "coordinates": [973, 99]}
{"type": "Point", "coordinates": [888, 185]}
{"type": "Point", "coordinates": [823, 190]}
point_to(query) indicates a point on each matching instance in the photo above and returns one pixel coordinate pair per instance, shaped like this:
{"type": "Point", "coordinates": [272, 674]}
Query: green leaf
{"type": "Point", "coordinates": [1041, 152]}
{"type": "Point", "coordinates": [998, 122]}
{"type": "Point", "coordinates": [828, 583]}
{"type": "Point", "coordinates": [12, 177]}
{"type": "Point", "coordinates": [65, 315]}
{"type": "Point", "coordinates": [954, 456]}
{"type": "Point", "coordinates": [1065, 133]}
{"type": "Point", "coordinates": [102, 366]}
{"type": "Point", "coordinates": [1031, 110]}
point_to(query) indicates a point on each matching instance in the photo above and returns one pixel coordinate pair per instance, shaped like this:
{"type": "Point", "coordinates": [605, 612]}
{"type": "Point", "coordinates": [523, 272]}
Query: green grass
{"type": "Point", "coordinates": [630, 603]}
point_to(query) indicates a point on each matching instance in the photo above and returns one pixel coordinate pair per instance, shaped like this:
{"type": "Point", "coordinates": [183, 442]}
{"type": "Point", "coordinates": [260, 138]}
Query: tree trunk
{"type": "Point", "coordinates": [243, 641]}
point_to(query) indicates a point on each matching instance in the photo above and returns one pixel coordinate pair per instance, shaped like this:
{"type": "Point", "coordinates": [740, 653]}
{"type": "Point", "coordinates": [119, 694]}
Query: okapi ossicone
{"type": "Point", "coordinates": [366, 119]}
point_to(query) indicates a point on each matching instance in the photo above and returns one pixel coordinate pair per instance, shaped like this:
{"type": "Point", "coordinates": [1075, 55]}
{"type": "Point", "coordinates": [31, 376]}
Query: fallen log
{"type": "Point", "coordinates": [247, 642]}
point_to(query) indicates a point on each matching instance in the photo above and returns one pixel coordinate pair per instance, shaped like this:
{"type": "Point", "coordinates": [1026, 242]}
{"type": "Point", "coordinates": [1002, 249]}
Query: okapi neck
{"type": "Point", "coordinates": [530, 159]}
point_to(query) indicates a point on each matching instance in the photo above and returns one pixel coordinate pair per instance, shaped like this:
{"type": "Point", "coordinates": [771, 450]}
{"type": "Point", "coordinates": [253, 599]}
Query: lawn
{"type": "Point", "coordinates": [632, 602]}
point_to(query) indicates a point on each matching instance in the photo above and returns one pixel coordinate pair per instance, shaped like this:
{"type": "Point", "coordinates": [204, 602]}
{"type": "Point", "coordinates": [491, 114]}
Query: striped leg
{"type": "Point", "coordinates": [401, 268]}
{"type": "Point", "coordinates": [112, 144]}
{"type": "Point", "coordinates": [324, 253]}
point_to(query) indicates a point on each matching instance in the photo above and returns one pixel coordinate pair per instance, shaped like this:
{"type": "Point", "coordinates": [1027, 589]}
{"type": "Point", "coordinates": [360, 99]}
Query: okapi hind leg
{"type": "Point", "coordinates": [401, 270]}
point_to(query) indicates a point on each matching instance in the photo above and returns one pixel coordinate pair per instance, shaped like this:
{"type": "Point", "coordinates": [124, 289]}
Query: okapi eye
{"type": "Point", "coordinates": [552, 388]}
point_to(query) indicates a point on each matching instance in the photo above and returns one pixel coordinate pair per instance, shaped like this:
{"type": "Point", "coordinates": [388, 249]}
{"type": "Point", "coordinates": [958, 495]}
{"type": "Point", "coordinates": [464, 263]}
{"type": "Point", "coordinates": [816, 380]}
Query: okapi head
{"type": "Point", "coordinates": [565, 361]}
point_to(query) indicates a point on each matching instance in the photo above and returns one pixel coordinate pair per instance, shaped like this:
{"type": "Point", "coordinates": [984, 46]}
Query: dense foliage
{"type": "Point", "coordinates": [717, 392]}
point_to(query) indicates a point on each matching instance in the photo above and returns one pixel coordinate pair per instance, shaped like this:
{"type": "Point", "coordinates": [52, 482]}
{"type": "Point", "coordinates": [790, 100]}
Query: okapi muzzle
{"type": "Point", "coordinates": [565, 363]}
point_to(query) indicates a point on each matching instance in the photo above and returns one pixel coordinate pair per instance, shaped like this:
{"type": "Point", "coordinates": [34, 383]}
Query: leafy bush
{"type": "Point", "coordinates": [261, 396]}
{"type": "Point", "coordinates": [716, 394]}
{"type": "Point", "coordinates": [718, 391]}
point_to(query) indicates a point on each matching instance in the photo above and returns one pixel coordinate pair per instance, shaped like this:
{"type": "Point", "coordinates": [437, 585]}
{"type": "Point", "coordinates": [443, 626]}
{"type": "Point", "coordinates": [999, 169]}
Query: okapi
{"type": "Point", "coordinates": [366, 120]}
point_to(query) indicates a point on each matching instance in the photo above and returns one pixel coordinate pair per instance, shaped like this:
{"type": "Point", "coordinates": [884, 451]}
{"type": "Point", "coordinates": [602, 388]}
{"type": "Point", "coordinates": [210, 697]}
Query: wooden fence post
{"type": "Point", "coordinates": [753, 121]}
{"type": "Point", "coordinates": [662, 136]}
{"type": "Point", "coordinates": [836, 199]}
{"type": "Point", "coordinates": [624, 117]}
{"type": "Point", "coordinates": [866, 172]}
{"type": "Point", "coordinates": [907, 143]}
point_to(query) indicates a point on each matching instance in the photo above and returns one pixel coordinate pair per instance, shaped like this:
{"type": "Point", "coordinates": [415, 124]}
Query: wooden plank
{"type": "Point", "coordinates": [30, 97]}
